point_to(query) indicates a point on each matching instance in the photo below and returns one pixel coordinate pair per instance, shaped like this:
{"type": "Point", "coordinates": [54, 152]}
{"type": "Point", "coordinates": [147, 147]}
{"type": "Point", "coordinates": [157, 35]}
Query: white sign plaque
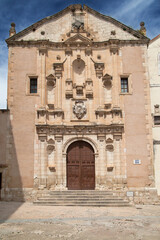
{"type": "Point", "coordinates": [137, 161]}
{"type": "Point", "coordinates": [129, 194]}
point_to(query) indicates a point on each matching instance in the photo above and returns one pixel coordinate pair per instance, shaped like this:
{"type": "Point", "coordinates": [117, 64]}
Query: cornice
{"type": "Point", "coordinates": [75, 45]}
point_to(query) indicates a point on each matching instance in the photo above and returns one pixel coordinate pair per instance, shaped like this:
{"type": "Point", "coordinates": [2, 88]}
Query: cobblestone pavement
{"type": "Point", "coordinates": [26, 221]}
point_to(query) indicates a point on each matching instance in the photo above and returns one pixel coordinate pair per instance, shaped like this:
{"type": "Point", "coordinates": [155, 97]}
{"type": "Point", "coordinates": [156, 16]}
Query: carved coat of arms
{"type": "Point", "coordinates": [79, 109]}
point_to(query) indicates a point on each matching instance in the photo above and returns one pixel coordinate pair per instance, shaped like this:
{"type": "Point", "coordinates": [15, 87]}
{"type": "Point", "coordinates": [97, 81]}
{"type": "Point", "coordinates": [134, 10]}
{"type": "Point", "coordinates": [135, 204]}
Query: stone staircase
{"type": "Point", "coordinates": [81, 198]}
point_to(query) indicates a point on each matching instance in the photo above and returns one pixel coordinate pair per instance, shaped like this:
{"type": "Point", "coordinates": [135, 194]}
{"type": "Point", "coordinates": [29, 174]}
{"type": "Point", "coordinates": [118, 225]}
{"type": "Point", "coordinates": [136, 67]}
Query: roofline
{"type": "Point", "coordinates": [44, 20]}
{"type": "Point", "coordinates": [116, 22]}
{"type": "Point", "coordinates": [72, 8]}
{"type": "Point", "coordinates": [155, 38]}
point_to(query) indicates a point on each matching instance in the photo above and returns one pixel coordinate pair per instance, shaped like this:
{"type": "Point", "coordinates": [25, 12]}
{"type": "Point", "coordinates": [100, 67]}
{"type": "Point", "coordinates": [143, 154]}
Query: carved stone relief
{"type": "Point", "coordinates": [157, 109]}
{"type": "Point", "coordinates": [77, 25]}
{"type": "Point", "coordinates": [79, 109]}
{"type": "Point", "coordinates": [51, 81]}
{"type": "Point", "coordinates": [114, 46]}
{"type": "Point", "coordinates": [99, 67]}
{"type": "Point", "coordinates": [107, 81]}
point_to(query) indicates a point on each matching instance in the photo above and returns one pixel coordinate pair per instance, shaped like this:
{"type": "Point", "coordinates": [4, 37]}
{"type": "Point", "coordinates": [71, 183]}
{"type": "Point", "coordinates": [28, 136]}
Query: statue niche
{"type": "Point", "coordinates": [79, 74]}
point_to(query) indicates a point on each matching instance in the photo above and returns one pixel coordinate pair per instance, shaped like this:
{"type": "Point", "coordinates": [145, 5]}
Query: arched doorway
{"type": "Point", "coordinates": [80, 166]}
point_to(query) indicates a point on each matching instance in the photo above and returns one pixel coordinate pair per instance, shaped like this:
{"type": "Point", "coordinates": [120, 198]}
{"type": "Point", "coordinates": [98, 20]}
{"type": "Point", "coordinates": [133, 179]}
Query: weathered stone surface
{"type": "Point", "coordinates": [82, 63]}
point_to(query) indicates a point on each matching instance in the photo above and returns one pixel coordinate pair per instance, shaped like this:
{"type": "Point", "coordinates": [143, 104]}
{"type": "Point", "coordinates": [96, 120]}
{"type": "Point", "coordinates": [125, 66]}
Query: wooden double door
{"type": "Point", "coordinates": [80, 166]}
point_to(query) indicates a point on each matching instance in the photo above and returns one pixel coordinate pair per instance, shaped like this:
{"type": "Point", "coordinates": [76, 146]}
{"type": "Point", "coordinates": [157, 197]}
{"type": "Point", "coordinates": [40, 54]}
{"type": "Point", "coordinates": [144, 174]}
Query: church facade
{"type": "Point", "coordinates": [79, 107]}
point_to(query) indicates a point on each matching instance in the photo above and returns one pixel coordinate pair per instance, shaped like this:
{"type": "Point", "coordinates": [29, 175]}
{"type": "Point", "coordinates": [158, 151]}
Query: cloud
{"type": "Point", "coordinates": [132, 8]}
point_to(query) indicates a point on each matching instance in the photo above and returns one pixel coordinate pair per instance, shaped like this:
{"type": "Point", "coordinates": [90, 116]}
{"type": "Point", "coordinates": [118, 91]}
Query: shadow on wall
{"type": "Point", "coordinates": [10, 179]}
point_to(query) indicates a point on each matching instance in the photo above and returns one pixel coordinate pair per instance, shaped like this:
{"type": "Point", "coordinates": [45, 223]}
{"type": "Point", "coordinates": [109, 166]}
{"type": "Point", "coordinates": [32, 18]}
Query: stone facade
{"type": "Point", "coordinates": [79, 58]}
{"type": "Point", "coordinates": [154, 71]}
{"type": "Point", "coordinates": [4, 114]}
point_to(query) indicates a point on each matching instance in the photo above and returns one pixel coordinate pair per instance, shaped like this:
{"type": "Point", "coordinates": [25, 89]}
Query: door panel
{"type": "Point", "coordinates": [80, 166]}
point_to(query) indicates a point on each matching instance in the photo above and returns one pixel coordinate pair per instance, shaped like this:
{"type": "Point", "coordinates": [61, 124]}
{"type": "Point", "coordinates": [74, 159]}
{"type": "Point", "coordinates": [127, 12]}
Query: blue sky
{"type": "Point", "coordinates": [26, 12]}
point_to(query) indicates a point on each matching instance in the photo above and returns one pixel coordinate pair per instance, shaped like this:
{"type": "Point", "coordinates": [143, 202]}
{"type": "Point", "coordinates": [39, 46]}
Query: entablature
{"type": "Point", "coordinates": [115, 129]}
{"type": "Point", "coordinates": [63, 45]}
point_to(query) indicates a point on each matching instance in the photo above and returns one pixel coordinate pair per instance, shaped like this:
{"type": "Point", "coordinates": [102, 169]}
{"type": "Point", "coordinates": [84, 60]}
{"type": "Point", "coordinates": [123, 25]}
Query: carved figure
{"type": "Point", "coordinates": [79, 109]}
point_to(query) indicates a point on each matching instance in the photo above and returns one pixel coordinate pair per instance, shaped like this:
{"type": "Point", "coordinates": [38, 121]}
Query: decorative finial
{"type": "Point", "coordinates": [12, 30]}
{"type": "Point", "coordinates": [143, 29]}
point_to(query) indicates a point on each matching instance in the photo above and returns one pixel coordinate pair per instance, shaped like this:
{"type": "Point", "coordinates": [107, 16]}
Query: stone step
{"type": "Point", "coordinates": [77, 196]}
{"type": "Point", "coordinates": [80, 198]}
{"type": "Point", "coordinates": [86, 204]}
{"type": "Point", "coordinates": [79, 192]}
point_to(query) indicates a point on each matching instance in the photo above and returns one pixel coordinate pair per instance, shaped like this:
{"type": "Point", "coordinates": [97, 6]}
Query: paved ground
{"type": "Point", "coordinates": [27, 221]}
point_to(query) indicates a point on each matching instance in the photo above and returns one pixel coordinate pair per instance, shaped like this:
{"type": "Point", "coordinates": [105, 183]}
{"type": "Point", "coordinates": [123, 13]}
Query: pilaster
{"type": "Point", "coordinates": [114, 51]}
{"type": "Point", "coordinates": [43, 53]}
{"type": "Point", "coordinates": [59, 161]}
{"type": "Point", "coordinates": [43, 162]}
{"type": "Point", "coordinates": [58, 68]}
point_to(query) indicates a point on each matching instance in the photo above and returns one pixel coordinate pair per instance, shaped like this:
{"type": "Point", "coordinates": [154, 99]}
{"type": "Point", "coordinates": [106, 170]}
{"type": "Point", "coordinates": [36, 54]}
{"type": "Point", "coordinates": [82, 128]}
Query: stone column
{"type": "Point", "coordinates": [43, 52]}
{"type": "Point", "coordinates": [102, 161]}
{"type": "Point", "coordinates": [43, 163]}
{"type": "Point", "coordinates": [64, 171]}
{"type": "Point", "coordinates": [97, 170]}
{"type": "Point", "coordinates": [59, 162]}
{"type": "Point", "coordinates": [117, 159]}
{"type": "Point", "coordinates": [51, 178]}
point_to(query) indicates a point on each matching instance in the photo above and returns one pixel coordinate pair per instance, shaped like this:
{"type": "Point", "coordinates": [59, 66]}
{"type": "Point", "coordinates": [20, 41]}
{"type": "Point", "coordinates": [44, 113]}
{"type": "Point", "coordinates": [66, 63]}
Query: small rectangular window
{"type": "Point", "coordinates": [156, 120]}
{"type": "Point", "coordinates": [124, 85]}
{"type": "Point", "coordinates": [33, 85]}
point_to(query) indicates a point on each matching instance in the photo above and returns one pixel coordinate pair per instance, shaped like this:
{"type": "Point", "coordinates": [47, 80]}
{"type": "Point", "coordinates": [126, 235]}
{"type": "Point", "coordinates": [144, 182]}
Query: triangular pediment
{"type": "Point", "coordinates": [49, 28]}
{"type": "Point", "coordinates": [51, 76]}
{"type": "Point", "coordinates": [78, 38]}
